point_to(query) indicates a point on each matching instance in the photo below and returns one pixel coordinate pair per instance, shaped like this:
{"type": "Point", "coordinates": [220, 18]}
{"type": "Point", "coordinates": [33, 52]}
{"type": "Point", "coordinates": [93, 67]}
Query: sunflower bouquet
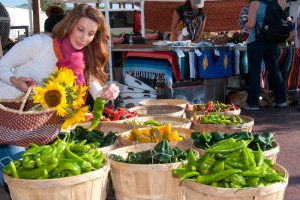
{"type": "Point", "coordinates": [60, 91]}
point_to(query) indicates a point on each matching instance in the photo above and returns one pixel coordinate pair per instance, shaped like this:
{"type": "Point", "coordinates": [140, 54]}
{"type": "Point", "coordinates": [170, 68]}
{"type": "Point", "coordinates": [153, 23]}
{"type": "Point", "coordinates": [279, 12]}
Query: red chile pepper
{"type": "Point", "coordinates": [108, 111]}
{"type": "Point", "coordinates": [233, 106]}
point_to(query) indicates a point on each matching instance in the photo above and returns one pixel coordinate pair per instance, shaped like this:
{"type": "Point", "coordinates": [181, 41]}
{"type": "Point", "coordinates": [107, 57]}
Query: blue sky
{"type": "Point", "coordinates": [14, 2]}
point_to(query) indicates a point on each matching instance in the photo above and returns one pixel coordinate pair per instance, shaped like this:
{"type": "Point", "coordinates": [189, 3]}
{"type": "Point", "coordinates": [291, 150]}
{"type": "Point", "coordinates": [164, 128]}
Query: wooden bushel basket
{"type": "Point", "coordinates": [158, 110]}
{"type": "Point", "coordinates": [175, 102]}
{"type": "Point", "coordinates": [144, 182]}
{"type": "Point", "coordinates": [20, 126]}
{"type": "Point", "coordinates": [88, 186]}
{"type": "Point", "coordinates": [196, 191]}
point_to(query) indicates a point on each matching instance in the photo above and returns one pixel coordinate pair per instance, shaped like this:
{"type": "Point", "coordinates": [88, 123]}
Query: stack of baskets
{"type": "Point", "coordinates": [136, 182]}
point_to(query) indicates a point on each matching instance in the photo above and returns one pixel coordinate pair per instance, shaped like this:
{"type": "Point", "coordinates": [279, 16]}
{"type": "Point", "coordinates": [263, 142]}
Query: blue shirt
{"type": "Point", "coordinates": [259, 20]}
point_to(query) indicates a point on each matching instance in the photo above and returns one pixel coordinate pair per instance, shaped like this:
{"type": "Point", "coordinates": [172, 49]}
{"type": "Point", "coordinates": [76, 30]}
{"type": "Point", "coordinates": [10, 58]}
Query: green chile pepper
{"type": "Point", "coordinates": [252, 181]}
{"type": "Point", "coordinates": [97, 112]}
{"type": "Point", "coordinates": [47, 157]}
{"type": "Point", "coordinates": [273, 177]}
{"type": "Point", "coordinates": [180, 171]}
{"type": "Point", "coordinates": [208, 179]}
{"type": "Point", "coordinates": [207, 165]}
{"type": "Point", "coordinates": [35, 150]}
{"type": "Point", "coordinates": [226, 148]}
{"type": "Point", "coordinates": [269, 162]}
{"type": "Point", "coordinates": [191, 158]}
{"type": "Point", "coordinates": [35, 173]}
{"type": "Point", "coordinates": [237, 179]}
{"type": "Point", "coordinates": [84, 165]}
{"type": "Point", "coordinates": [235, 163]}
{"type": "Point", "coordinates": [259, 156]}
{"type": "Point", "coordinates": [13, 169]}
{"type": "Point", "coordinates": [74, 168]}
{"type": "Point", "coordinates": [219, 166]}
{"type": "Point", "coordinates": [189, 175]}
{"type": "Point", "coordinates": [152, 122]}
{"type": "Point", "coordinates": [249, 159]}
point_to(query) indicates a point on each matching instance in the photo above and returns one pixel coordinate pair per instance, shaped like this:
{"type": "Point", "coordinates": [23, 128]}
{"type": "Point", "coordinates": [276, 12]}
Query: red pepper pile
{"type": "Point", "coordinates": [109, 114]}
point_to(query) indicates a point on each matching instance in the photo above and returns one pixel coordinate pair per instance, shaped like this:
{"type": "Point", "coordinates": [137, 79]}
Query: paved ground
{"type": "Point", "coordinates": [285, 122]}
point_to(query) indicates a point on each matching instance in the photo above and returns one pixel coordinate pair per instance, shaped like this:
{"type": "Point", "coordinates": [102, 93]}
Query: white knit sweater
{"type": "Point", "coordinates": [32, 57]}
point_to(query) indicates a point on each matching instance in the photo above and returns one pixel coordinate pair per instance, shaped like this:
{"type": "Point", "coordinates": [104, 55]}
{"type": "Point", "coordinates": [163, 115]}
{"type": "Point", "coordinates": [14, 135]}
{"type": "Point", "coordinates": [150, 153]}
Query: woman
{"type": "Point", "coordinates": [259, 50]}
{"type": "Point", "coordinates": [79, 42]}
{"type": "Point", "coordinates": [191, 16]}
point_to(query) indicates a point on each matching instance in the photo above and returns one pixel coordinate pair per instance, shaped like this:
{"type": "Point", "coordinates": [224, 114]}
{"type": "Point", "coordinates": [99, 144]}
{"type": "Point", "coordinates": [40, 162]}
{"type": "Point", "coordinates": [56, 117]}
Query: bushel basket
{"type": "Point", "coordinates": [20, 126]}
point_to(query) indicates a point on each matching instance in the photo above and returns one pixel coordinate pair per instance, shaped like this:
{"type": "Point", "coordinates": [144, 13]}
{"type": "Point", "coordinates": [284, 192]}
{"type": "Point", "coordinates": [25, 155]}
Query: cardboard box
{"type": "Point", "coordinates": [194, 94]}
{"type": "Point", "coordinates": [211, 66]}
{"type": "Point", "coordinates": [130, 80]}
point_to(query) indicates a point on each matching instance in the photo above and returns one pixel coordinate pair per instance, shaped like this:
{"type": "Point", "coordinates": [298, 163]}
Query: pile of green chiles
{"type": "Point", "coordinates": [161, 153]}
{"type": "Point", "coordinates": [219, 119]}
{"type": "Point", "coordinates": [230, 164]}
{"type": "Point", "coordinates": [58, 159]}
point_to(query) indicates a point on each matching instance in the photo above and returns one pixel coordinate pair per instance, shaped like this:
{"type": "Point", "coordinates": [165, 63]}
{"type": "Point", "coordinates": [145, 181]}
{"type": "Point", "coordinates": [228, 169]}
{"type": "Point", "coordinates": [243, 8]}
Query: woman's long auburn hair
{"type": "Point", "coordinates": [97, 51]}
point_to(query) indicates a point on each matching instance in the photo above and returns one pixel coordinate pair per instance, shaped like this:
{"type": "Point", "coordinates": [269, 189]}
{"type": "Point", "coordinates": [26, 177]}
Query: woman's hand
{"type": "Point", "coordinates": [110, 92]}
{"type": "Point", "coordinates": [22, 83]}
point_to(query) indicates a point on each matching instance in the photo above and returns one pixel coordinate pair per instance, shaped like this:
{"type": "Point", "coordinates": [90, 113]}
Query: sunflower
{"type": "Point", "coordinates": [63, 76]}
{"type": "Point", "coordinates": [80, 99]}
{"type": "Point", "coordinates": [77, 118]}
{"type": "Point", "coordinates": [53, 95]}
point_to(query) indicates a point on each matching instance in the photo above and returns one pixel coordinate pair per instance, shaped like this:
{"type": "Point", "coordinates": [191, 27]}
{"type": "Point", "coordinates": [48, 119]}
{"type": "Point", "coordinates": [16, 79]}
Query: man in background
{"type": "Point", "coordinates": [55, 14]}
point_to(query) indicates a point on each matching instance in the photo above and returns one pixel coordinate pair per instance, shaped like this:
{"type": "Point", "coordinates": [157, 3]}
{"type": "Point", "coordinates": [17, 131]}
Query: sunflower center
{"type": "Point", "coordinates": [52, 98]}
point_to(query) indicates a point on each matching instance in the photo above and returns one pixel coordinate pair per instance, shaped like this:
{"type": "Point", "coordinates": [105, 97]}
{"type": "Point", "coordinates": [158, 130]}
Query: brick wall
{"type": "Point", "coordinates": [221, 15]}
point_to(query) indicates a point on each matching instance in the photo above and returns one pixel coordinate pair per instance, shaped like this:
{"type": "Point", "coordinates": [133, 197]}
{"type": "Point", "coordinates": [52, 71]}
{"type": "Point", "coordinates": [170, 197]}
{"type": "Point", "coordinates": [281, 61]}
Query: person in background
{"type": "Point", "coordinates": [188, 21]}
{"type": "Point", "coordinates": [79, 42]}
{"type": "Point", "coordinates": [259, 50]}
{"type": "Point", "coordinates": [243, 19]}
{"type": "Point", "coordinates": [4, 25]}
{"type": "Point", "coordinates": [54, 14]}
{"type": "Point", "coordinates": [297, 43]}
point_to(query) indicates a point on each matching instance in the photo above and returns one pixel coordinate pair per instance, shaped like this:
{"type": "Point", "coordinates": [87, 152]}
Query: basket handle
{"type": "Point", "coordinates": [25, 98]}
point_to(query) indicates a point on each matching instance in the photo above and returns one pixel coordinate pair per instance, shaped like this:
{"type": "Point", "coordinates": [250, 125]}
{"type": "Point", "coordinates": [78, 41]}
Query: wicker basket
{"type": "Point", "coordinates": [247, 126]}
{"type": "Point", "coordinates": [158, 110]}
{"type": "Point", "coordinates": [20, 126]}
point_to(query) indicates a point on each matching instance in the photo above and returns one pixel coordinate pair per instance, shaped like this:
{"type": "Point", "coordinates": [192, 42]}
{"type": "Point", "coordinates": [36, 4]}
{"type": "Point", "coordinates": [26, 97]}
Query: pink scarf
{"type": "Point", "coordinates": [72, 59]}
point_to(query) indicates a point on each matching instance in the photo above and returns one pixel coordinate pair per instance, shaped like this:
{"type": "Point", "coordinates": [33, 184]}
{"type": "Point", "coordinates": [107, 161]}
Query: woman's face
{"type": "Point", "coordinates": [83, 33]}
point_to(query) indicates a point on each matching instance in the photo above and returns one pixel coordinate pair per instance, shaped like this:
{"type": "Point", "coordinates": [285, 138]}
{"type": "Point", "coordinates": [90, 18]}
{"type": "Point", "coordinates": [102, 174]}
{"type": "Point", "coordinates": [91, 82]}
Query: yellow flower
{"type": "Point", "coordinates": [80, 99]}
{"type": "Point", "coordinates": [63, 76]}
{"type": "Point", "coordinates": [53, 95]}
{"type": "Point", "coordinates": [76, 118]}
